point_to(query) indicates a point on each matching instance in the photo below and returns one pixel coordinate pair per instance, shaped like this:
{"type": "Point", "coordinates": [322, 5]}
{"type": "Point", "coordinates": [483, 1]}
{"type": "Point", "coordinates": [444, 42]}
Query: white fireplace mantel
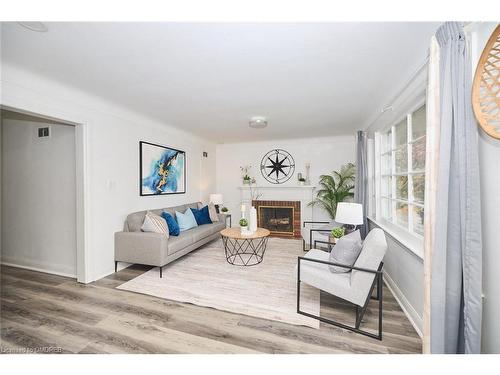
{"type": "Point", "coordinates": [308, 187]}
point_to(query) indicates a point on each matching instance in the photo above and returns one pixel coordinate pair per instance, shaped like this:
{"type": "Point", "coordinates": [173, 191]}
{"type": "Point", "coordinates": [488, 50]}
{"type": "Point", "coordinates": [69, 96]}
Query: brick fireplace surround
{"type": "Point", "coordinates": [277, 204]}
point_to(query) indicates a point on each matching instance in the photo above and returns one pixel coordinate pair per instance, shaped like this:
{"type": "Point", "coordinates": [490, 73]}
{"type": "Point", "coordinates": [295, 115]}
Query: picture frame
{"type": "Point", "coordinates": [162, 170]}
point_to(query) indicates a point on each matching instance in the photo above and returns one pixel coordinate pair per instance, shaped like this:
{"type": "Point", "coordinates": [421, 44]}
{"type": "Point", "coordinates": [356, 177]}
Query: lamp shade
{"type": "Point", "coordinates": [349, 213]}
{"type": "Point", "coordinates": [216, 198]}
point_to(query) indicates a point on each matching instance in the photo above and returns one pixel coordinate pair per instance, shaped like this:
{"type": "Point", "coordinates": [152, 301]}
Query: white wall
{"type": "Point", "coordinates": [38, 195]}
{"type": "Point", "coordinates": [111, 156]}
{"type": "Point", "coordinates": [489, 157]}
{"type": "Point", "coordinates": [325, 155]}
{"type": "Point", "coordinates": [404, 275]}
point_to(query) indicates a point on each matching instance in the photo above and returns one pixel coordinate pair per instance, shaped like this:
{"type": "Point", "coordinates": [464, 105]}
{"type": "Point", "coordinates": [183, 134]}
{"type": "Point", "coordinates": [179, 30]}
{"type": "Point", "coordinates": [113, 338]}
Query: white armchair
{"type": "Point", "coordinates": [355, 286]}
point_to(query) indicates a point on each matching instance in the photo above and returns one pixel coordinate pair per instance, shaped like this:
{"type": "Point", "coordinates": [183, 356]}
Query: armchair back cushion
{"type": "Point", "coordinates": [372, 253]}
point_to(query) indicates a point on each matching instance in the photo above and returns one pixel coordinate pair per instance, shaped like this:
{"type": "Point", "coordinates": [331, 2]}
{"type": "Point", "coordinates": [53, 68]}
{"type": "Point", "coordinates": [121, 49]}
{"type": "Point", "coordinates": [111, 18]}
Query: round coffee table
{"type": "Point", "coordinates": [244, 250]}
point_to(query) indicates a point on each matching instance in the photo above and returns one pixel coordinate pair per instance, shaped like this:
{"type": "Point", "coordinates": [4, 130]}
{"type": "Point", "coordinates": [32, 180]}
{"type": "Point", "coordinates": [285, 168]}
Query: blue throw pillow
{"type": "Point", "coordinates": [173, 227]}
{"type": "Point", "coordinates": [202, 216]}
{"type": "Point", "coordinates": [186, 220]}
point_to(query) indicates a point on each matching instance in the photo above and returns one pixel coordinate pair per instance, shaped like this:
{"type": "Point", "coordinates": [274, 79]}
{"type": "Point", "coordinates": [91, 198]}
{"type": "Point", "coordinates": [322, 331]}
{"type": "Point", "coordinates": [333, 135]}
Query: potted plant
{"type": "Point", "coordinates": [224, 210]}
{"type": "Point", "coordinates": [302, 181]}
{"type": "Point", "coordinates": [243, 225]}
{"type": "Point", "coordinates": [336, 233]}
{"type": "Point", "coordinates": [335, 188]}
{"type": "Point", "coordinates": [246, 178]}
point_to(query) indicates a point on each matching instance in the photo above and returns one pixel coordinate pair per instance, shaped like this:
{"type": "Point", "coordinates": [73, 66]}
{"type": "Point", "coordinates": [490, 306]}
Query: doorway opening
{"type": "Point", "coordinates": [41, 194]}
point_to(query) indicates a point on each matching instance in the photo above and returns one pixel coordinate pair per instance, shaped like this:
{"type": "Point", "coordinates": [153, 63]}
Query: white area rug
{"type": "Point", "coordinates": [266, 290]}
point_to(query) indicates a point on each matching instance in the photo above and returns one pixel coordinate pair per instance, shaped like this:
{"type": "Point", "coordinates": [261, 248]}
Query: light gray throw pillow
{"type": "Point", "coordinates": [346, 251]}
{"type": "Point", "coordinates": [213, 213]}
{"type": "Point", "coordinates": [154, 223]}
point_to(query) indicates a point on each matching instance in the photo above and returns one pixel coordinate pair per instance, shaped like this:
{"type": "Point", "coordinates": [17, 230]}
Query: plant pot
{"type": "Point", "coordinates": [246, 182]}
{"type": "Point", "coordinates": [301, 183]}
{"type": "Point", "coordinates": [333, 239]}
{"type": "Point", "coordinates": [244, 231]}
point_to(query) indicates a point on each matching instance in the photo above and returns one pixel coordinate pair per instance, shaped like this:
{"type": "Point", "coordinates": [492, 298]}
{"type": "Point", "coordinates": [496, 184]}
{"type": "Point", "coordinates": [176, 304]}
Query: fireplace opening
{"type": "Point", "coordinates": [281, 218]}
{"type": "Point", "coordinates": [277, 219]}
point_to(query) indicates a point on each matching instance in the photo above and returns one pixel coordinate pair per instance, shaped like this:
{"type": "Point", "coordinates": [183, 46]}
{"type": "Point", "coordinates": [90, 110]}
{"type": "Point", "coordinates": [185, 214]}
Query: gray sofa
{"type": "Point", "coordinates": [155, 249]}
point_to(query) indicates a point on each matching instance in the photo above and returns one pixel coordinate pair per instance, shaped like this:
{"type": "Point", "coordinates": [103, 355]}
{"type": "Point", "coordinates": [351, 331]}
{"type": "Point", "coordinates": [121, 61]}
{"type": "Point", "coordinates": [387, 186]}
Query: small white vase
{"type": "Point", "coordinates": [253, 220]}
{"type": "Point", "coordinates": [244, 230]}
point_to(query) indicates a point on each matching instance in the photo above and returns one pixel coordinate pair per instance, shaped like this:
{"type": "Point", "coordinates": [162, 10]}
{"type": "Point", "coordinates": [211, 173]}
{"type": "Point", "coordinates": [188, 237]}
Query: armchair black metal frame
{"type": "Point", "coordinates": [360, 310]}
{"type": "Point", "coordinates": [330, 244]}
{"type": "Point", "coordinates": [311, 232]}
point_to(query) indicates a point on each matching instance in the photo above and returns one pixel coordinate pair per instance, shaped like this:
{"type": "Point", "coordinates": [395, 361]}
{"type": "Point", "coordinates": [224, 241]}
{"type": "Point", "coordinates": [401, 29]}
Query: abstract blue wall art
{"type": "Point", "coordinates": [162, 170]}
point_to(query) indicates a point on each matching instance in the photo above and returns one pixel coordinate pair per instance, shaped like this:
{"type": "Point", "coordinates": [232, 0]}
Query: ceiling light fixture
{"type": "Point", "coordinates": [258, 122]}
{"type": "Point", "coordinates": [36, 26]}
{"type": "Point", "coordinates": [387, 108]}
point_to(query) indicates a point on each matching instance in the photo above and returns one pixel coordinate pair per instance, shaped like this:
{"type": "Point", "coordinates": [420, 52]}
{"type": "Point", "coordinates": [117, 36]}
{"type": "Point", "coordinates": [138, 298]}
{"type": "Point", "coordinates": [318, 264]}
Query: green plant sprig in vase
{"type": "Point", "coordinates": [243, 225]}
{"type": "Point", "coordinates": [336, 233]}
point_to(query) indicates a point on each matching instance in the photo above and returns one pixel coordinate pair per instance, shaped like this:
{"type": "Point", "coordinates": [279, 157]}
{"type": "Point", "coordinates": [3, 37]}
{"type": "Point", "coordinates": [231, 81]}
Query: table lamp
{"type": "Point", "coordinates": [350, 214]}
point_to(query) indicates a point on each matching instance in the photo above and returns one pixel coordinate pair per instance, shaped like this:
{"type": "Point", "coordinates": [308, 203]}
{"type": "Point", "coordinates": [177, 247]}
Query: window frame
{"type": "Point", "coordinates": [380, 174]}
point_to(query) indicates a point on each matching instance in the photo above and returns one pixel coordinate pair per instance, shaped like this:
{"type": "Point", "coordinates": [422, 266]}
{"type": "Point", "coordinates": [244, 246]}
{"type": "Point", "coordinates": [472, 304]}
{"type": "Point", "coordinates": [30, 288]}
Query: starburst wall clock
{"type": "Point", "coordinates": [277, 166]}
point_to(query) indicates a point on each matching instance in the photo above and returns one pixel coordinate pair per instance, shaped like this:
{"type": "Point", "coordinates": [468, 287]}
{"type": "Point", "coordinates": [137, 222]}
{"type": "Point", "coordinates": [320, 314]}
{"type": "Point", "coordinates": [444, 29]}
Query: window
{"type": "Point", "coordinates": [402, 172]}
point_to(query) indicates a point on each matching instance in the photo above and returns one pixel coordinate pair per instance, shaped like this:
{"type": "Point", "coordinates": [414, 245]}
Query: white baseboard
{"type": "Point", "coordinates": [412, 315]}
{"type": "Point", "coordinates": [37, 269]}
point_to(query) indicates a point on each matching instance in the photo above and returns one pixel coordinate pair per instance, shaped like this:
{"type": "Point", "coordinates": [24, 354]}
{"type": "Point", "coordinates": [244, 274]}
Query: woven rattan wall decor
{"type": "Point", "coordinates": [486, 87]}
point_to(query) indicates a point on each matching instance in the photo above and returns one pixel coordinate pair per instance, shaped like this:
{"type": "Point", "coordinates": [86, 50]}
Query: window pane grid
{"type": "Point", "coordinates": [402, 172]}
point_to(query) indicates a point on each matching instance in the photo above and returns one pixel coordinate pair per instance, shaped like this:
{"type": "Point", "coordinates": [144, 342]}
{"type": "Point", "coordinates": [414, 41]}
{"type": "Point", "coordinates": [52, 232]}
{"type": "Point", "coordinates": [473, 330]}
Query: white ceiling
{"type": "Point", "coordinates": [209, 79]}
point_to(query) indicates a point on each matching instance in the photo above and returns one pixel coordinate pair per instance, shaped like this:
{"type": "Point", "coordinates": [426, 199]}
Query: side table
{"type": "Point", "coordinates": [226, 216]}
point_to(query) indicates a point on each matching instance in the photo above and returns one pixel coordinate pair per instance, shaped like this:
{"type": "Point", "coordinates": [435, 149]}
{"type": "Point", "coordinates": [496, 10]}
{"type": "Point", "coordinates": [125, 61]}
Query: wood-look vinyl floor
{"type": "Point", "coordinates": [43, 310]}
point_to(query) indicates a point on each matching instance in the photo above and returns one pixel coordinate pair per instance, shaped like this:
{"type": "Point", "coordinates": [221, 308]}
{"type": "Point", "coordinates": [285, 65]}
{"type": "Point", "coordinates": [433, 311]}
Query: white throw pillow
{"type": "Point", "coordinates": [154, 223]}
{"type": "Point", "coordinates": [346, 251]}
{"type": "Point", "coordinates": [212, 212]}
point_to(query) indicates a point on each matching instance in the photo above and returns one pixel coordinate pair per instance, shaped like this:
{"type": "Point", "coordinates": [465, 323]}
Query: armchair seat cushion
{"type": "Point", "coordinates": [319, 276]}
{"type": "Point", "coordinates": [353, 286]}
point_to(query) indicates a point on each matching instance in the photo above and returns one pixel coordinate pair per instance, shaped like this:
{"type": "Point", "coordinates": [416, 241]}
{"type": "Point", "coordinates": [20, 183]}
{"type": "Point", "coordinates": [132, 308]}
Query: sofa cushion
{"type": "Point", "coordinates": [217, 227]}
{"type": "Point", "coordinates": [185, 220]}
{"type": "Point", "coordinates": [201, 215]}
{"type": "Point", "coordinates": [193, 205]}
{"type": "Point", "coordinates": [346, 251]}
{"type": "Point", "coordinates": [135, 221]}
{"type": "Point", "coordinates": [201, 232]}
{"type": "Point", "coordinates": [177, 243]}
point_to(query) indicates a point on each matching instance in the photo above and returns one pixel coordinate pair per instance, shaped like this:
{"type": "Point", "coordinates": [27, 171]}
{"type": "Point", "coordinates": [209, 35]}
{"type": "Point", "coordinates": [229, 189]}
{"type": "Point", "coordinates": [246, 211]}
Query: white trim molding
{"type": "Point", "coordinates": [38, 269]}
{"type": "Point", "coordinates": [412, 315]}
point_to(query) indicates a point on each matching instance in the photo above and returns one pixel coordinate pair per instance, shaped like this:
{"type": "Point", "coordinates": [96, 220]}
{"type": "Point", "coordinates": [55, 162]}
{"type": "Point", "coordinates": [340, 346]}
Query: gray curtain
{"type": "Point", "coordinates": [456, 261]}
{"type": "Point", "coordinates": [361, 183]}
